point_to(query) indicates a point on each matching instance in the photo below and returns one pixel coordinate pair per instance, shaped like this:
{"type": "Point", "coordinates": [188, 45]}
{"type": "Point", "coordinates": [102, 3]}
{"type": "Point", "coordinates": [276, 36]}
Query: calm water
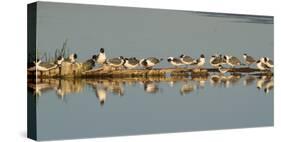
{"type": "Point", "coordinates": [95, 108]}
{"type": "Point", "coordinates": [112, 107]}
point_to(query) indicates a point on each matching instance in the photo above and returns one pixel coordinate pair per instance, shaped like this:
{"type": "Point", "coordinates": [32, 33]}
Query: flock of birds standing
{"type": "Point", "coordinates": [216, 61]}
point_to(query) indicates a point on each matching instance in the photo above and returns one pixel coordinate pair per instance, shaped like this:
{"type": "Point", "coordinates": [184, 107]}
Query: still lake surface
{"type": "Point", "coordinates": [112, 107]}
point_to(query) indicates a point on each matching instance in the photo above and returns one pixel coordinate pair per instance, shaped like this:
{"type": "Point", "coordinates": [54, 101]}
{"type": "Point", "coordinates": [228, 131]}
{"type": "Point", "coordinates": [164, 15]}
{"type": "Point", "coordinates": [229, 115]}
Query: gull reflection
{"type": "Point", "coordinates": [101, 95]}
{"type": "Point", "coordinates": [102, 87]}
{"type": "Point", "coordinates": [232, 80]}
{"type": "Point", "coordinates": [40, 87]}
{"type": "Point", "coordinates": [65, 87]}
{"type": "Point", "coordinates": [171, 83]}
{"type": "Point", "coordinates": [227, 81]}
{"type": "Point", "coordinates": [261, 82]}
{"type": "Point", "coordinates": [150, 87]}
{"type": "Point", "coordinates": [116, 88]}
{"type": "Point", "coordinates": [187, 89]}
{"type": "Point", "coordinates": [200, 81]}
{"type": "Point", "coordinates": [60, 92]}
{"type": "Point", "coordinates": [265, 83]}
{"type": "Point", "coordinates": [249, 80]}
{"type": "Point", "coordinates": [268, 86]}
{"type": "Point", "coordinates": [215, 80]}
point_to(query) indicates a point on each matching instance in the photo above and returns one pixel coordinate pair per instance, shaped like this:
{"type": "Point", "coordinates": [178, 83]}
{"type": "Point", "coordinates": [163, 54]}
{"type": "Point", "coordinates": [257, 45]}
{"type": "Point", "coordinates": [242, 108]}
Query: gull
{"type": "Point", "coordinates": [115, 62]}
{"type": "Point", "coordinates": [131, 63]}
{"type": "Point", "coordinates": [175, 61]}
{"type": "Point", "coordinates": [101, 57]}
{"type": "Point", "coordinates": [248, 59]}
{"type": "Point", "coordinates": [232, 61]}
{"type": "Point", "coordinates": [187, 60]}
{"type": "Point", "coordinates": [59, 61]}
{"type": "Point", "coordinates": [261, 65]}
{"type": "Point", "coordinates": [72, 58]}
{"type": "Point", "coordinates": [222, 69]}
{"type": "Point", "coordinates": [199, 62]}
{"type": "Point", "coordinates": [42, 66]}
{"type": "Point", "coordinates": [215, 61]}
{"type": "Point", "coordinates": [150, 62]}
{"type": "Point", "coordinates": [268, 62]}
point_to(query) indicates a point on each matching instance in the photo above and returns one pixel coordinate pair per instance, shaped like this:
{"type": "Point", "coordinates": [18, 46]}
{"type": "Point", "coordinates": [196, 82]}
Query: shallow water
{"type": "Point", "coordinates": [109, 107]}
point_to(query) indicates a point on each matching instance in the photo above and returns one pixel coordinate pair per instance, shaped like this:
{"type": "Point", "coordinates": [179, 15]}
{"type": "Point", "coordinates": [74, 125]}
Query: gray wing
{"type": "Point", "coordinates": [47, 65]}
{"type": "Point", "coordinates": [153, 60]}
{"type": "Point", "coordinates": [195, 62]}
{"type": "Point", "coordinates": [234, 60]}
{"type": "Point", "coordinates": [216, 61]}
{"type": "Point", "coordinates": [176, 60]}
{"type": "Point", "coordinates": [115, 61]}
{"type": "Point", "coordinates": [265, 66]}
{"type": "Point", "coordinates": [251, 59]}
{"type": "Point", "coordinates": [133, 61]}
{"type": "Point", "coordinates": [187, 59]}
{"type": "Point", "coordinates": [89, 62]}
{"type": "Point", "coordinates": [270, 62]}
{"type": "Point", "coordinates": [222, 60]}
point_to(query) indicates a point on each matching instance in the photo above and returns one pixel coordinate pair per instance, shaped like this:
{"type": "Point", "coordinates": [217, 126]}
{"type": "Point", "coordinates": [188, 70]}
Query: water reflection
{"type": "Point", "coordinates": [249, 80]}
{"type": "Point", "coordinates": [187, 88]}
{"type": "Point", "coordinates": [265, 83]}
{"type": "Point", "coordinates": [152, 85]}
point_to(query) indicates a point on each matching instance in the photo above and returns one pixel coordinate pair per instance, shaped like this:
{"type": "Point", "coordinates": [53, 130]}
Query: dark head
{"type": "Point", "coordinates": [93, 63]}
{"type": "Point", "coordinates": [121, 57]}
{"type": "Point", "coordinates": [144, 62]}
{"type": "Point", "coordinates": [169, 60]}
{"type": "Point", "coordinates": [258, 61]}
{"type": "Point", "coordinates": [181, 56]}
{"type": "Point", "coordinates": [101, 50]}
{"type": "Point", "coordinates": [202, 56]}
{"type": "Point", "coordinates": [59, 58]}
{"type": "Point", "coordinates": [213, 56]}
{"type": "Point", "coordinates": [37, 60]}
{"type": "Point", "coordinates": [75, 56]}
{"type": "Point", "coordinates": [224, 57]}
{"type": "Point", "coordinates": [125, 60]}
{"type": "Point", "coordinates": [245, 54]}
{"type": "Point", "coordinates": [102, 102]}
{"type": "Point", "coordinates": [94, 57]}
{"type": "Point", "coordinates": [265, 90]}
{"type": "Point", "coordinates": [265, 59]}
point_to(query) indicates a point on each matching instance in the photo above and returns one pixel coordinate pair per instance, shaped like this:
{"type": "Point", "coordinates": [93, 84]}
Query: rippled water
{"type": "Point", "coordinates": [108, 107]}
